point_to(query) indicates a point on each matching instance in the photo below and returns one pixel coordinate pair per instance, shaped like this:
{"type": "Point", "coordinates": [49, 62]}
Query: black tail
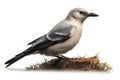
{"type": "Point", "coordinates": [19, 56]}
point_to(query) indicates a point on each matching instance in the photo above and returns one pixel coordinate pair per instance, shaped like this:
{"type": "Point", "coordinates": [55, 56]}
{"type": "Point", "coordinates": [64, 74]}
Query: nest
{"type": "Point", "coordinates": [82, 63]}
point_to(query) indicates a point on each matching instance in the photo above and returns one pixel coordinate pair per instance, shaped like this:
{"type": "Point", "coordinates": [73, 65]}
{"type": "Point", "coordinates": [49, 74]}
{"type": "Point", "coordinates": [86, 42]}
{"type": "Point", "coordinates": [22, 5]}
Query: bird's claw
{"type": "Point", "coordinates": [61, 57]}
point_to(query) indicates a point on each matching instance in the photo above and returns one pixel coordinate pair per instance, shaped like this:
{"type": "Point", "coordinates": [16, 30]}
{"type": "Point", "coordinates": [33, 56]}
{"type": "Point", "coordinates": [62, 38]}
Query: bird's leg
{"type": "Point", "coordinates": [61, 57]}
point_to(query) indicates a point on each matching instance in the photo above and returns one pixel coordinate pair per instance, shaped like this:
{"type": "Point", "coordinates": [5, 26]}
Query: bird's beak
{"type": "Point", "coordinates": [92, 15]}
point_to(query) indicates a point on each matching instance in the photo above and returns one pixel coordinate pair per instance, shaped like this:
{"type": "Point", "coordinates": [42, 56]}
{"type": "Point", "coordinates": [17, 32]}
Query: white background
{"type": "Point", "coordinates": [25, 20]}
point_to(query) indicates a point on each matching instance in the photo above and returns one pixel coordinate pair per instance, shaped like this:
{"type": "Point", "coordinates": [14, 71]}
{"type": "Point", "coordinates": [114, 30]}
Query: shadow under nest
{"type": "Point", "coordinates": [82, 63]}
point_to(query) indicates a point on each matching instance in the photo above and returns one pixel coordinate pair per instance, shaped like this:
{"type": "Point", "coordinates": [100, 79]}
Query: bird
{"type": "Point", "coordinates": [62, 38]}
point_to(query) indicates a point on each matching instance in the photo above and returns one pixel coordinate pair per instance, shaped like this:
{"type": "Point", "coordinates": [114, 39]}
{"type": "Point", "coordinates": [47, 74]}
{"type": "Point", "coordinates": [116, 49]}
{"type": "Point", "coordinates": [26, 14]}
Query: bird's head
{"type": "Point", "coordinates": [80, 14]}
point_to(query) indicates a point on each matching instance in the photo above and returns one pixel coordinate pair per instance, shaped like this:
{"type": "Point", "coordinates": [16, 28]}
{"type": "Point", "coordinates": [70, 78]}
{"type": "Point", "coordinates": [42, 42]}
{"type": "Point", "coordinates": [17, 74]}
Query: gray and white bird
{"type": "Point", "coordinates": [60, 39]}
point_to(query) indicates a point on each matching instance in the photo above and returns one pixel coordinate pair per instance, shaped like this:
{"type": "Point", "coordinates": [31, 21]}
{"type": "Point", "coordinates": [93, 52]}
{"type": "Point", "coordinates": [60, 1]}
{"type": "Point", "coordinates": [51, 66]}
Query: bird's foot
{"type": "Point", "coordinates": [61, 57]}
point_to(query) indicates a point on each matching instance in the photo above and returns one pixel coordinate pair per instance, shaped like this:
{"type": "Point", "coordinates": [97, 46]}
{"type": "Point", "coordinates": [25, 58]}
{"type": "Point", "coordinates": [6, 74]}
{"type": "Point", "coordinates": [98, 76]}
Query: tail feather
{"type": "Point", "coordinates": [14, 59]}
{"type": "Point", "coordinates": [19, 56]}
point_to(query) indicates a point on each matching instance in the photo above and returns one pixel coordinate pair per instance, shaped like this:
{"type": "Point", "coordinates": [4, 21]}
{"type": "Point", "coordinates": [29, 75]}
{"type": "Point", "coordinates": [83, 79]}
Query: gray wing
{"type": "Point", "coordinates": [58, 34]}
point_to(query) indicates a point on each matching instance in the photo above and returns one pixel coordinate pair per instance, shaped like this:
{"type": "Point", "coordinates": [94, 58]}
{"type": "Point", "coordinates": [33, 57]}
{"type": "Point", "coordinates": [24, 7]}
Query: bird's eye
{"type": "Point", "coordinates": [81, 12]}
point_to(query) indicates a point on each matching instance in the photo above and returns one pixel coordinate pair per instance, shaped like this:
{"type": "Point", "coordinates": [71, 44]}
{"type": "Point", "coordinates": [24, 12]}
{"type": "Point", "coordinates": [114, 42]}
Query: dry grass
{"type": "Point", "coordinates": [82, 63]}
